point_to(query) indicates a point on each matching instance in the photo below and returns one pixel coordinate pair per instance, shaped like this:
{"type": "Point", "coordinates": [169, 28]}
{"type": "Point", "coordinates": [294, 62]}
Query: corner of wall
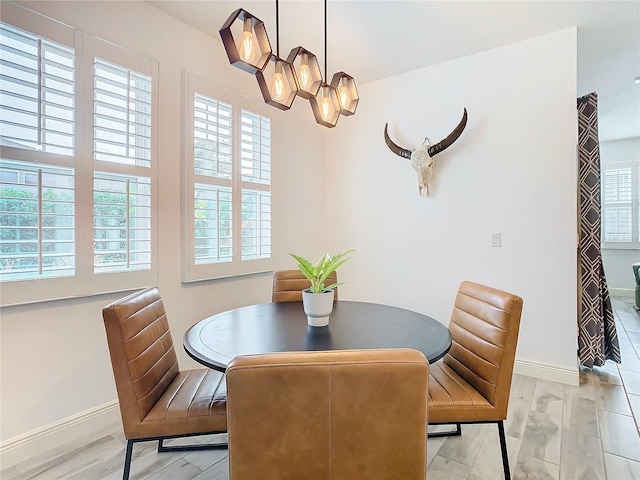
{"type": "Point", "coordinates": [545, 371]}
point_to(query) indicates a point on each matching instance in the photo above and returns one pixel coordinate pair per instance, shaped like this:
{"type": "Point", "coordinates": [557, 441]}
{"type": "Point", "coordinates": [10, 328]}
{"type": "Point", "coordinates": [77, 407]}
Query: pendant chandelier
{"type": "Point", "coordinates": [247, 45]}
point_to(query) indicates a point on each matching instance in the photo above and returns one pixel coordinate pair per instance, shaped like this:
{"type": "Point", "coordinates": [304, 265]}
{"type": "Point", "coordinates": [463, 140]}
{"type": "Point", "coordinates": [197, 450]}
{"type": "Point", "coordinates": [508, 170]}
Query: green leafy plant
{"type": "Point", "coordinates": [319, 272]}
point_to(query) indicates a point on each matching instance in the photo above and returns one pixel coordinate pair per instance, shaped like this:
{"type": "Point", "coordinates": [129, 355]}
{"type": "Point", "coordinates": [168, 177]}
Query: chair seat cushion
{"type": "Point", "coordinates": [451, 399]}
{"type": "Point", "coordinates": [194, 402]}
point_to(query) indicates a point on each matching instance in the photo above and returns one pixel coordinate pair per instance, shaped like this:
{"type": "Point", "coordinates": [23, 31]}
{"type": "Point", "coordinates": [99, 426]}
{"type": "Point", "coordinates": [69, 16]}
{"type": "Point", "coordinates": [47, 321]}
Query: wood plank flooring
{"type": "Point", "coordinates": [554, 432]}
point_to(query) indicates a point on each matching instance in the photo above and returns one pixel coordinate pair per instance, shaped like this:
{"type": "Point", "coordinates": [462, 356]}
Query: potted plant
{"type": "Point", "coordinates": [318, 298]}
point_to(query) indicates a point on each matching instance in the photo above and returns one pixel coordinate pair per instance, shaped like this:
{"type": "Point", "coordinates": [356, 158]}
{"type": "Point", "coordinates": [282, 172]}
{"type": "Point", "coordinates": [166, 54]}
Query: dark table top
{"type": "Point", "coordinates": [282, 327]}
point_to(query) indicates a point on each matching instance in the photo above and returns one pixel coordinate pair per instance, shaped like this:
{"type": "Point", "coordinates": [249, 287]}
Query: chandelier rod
{"type": "Point", "coordinates": [277, 31]}
{"type": "Point", "coordinates": [325, 40]}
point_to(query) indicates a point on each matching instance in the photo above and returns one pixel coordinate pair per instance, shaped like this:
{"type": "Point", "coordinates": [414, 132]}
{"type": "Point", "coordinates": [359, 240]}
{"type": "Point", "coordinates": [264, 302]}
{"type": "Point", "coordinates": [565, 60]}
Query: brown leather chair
{"type": "Point", "coordinates": [288, 285]}
{"type": "Point", "coordinates": [343, 414]}
{"type": "Point", "coordinates": [157, 400]}
{"type": "Point", "coordinates": [472, 382]}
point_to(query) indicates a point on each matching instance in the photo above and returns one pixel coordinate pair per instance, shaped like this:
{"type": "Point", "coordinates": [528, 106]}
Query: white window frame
{"type": "Point", "coordinates": [85, 282]}
{"type": "Point", "coordinates": [192, 272]}
{"type": "Point", "coordinates": [634, 166]}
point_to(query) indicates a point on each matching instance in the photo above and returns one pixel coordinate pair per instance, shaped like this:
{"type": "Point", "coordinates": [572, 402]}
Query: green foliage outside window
{"type": "Point", "coordinates": [19, 218]}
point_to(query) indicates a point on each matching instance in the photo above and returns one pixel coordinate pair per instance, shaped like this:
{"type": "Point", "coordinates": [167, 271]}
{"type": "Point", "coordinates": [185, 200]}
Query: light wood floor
{"type": "Point", "coordinates": [554, 431]}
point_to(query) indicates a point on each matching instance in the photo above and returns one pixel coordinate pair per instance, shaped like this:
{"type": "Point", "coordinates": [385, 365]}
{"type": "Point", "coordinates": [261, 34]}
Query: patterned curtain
{"type": "Point", "coordinates": [597, 336]}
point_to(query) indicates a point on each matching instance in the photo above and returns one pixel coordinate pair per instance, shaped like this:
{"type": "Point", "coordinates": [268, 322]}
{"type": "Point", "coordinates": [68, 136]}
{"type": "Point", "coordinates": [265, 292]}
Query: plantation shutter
{"type": "Point", "coordinates": [213, 171]}
{"type": "Point", "coordinates": [37, 83]}
{"type": "Point", "coordinates": [77, 165]}
{"type": "Point", "coordinates": [37, 133]}
{"type": "Point", "coordinates": [122, 177]}
{"type": "Point", "coordinates": [37, 221]}
{"type": "Point", "coordinates": [255, 167]}
{"type": "Point", "coordinates": [226, 197]}
{"type": "Point", "coordinates": [617, 206]}
{"type": "Point", "coordinates": [122, 115]}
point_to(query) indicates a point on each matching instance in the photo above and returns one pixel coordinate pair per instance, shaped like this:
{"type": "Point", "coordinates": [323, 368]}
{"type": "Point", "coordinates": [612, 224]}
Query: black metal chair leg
{"type": "Point", "coordinates": [171, 448]}
{"type": "Point", "coordinates": [127, 460]}
{"type": "Point", "coordinates": [453, 433]}
{"type": "Point", "coordinates": [189, 448]}
{"type": "Point", "coordinates": [503, 447]}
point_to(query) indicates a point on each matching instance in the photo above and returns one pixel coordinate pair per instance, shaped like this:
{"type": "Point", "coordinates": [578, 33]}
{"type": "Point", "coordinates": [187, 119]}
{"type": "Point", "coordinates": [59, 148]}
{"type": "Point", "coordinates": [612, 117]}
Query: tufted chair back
{"type": "Point", "coordinates": [342, 414]}
{"type": "Point", "coordinates": [142, 355]}
{"type": "Point", "coordinates": [484, 328]}
{"type": "Point", "coordinates": [288, 285]}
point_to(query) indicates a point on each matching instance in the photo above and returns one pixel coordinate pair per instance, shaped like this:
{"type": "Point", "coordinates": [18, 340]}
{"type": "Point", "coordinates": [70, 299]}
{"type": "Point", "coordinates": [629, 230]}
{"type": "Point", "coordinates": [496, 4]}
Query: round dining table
{"type": "Point", "coordinates": [282, 327]}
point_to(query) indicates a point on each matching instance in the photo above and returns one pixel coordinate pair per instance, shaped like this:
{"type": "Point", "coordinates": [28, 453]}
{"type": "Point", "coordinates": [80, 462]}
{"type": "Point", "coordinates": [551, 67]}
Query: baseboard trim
{"type": "Point", "coordinates": [35, 442]}
{"type": "Point", "coordinates": [545, 371]}
{"type": "Point", "coordinates": [622, 292]}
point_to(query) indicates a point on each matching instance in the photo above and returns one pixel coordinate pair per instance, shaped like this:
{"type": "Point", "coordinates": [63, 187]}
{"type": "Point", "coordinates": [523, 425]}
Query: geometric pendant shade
{"type": "Point", "coordinates": [307, 71]}
{"type": "Point", "coordinates": [277, 83]}
{"type": "Point", "coordinates": [325, 106]}
{"type": "Point", "coordinates": [345, 86]}
{"type": "Point", "coordinates": [245, 41]}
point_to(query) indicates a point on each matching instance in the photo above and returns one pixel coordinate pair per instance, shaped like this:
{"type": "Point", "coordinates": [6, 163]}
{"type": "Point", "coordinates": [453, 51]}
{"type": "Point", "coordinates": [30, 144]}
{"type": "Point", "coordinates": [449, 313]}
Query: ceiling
{"type": "Point", "coordinates": [372, 39]}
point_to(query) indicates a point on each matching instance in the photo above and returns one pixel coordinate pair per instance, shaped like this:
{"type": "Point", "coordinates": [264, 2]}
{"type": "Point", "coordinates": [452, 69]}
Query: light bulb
{"type": "Point", "coordinates": [345, 98]}
{"type": "Point", "coordinates": [247, 48]}
{"type": "Point", "coordinates": [325, 104]}
{"type": "Point", "coordinates": [305, 72]}
{"type": "Point", "coordinates": [278, 85]}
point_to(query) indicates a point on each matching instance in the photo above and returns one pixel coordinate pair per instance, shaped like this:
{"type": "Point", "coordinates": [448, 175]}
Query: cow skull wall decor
{"type": "Point", "coordinates": [422, 157]}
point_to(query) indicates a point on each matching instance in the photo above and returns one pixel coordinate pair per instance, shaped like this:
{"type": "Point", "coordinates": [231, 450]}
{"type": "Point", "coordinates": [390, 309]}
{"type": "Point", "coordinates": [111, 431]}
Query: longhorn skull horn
{"type": "Point", "coordinates": [433, 149]}
{"type": "Point", "coordinates": [452, 137]}
{"type": "Point", "coordinates": [403, 152]}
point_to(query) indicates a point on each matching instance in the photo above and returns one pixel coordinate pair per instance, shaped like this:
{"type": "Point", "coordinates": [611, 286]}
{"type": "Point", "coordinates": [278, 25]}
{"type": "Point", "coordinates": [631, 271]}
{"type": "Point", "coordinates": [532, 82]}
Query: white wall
{"type": "Point", "coordinates": [617, 262]}
{"type": "Point", "coordinates": [513, 171]}
{"type": "Point", "coordinates": [54, 358]}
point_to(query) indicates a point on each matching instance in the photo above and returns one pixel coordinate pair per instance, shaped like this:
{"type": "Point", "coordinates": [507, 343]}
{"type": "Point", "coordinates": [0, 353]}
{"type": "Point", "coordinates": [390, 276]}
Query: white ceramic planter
{"type": "Point", "coordinates": [318, 307]}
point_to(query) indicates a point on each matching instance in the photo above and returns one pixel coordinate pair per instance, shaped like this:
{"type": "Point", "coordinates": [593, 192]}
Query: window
{"type": "Point", "coordinates": [38, 93]}
{"type": "Point", "coordinates": [37, 218]}
{"type": "Point", "coordinates": [213, 173]}
{"type": "Point", "coordinates": [77, 163]}
{"type": "Point", "coordinates": [37, 119]}
{"type": "Point", "coordinates": [255, 161]}
{"type": "Point", "coordinates": [621, 204]}
{"type": "Point", "coordinates": [122, 108]}
{"type": "Point", "coordinates": [227, 189]}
